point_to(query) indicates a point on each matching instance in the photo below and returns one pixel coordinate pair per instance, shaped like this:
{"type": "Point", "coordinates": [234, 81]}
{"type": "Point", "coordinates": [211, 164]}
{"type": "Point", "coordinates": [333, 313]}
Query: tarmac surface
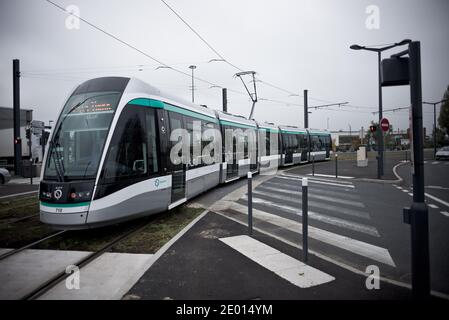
{"type": "Point", "coordinates": [200, 266]}
{"type": "Point", "coordinates": [350, 230]}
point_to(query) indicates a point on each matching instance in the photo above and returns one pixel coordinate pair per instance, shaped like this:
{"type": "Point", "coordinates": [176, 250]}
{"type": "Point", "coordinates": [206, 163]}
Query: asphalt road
{"type": "Point", "coordinates": [366, 212]}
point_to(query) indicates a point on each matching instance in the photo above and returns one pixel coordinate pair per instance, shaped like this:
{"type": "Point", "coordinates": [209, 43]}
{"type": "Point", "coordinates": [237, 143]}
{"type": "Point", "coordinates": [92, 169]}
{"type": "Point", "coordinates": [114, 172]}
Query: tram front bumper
{"type": "Point", "coordinates": [62, 216]}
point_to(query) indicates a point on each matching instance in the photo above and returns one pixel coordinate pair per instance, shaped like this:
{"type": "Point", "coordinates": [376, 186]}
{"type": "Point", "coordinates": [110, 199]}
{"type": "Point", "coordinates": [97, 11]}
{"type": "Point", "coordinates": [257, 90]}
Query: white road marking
{"type": "Point", "coordinates": [352, 245]}
{"type": "Point", "coordinates": [445, 213]}
{"type": "Point", "coordinates": [437, 199]}
{"type": "Point", "coordinates": [288, 268]}
{"type": "Point", "coordinates": [319, 182]}
{"type": "Point", "coordinates": [438, 187]}
{"type": "Point", "coordinates": [355, 226]}
{"type": "Point", "coordinates": [338, 199]}
{"type": "Point", "coordinates": [297, 176]}
{"type": "Point", "coordinates": [410, 194]}
{"type": "Point", "coordinates": [432, 206]}
{"type": "Point", "coordinates": [311, 203]}
{"type": "Point", "coordinates": [322, 190]}
{"type": "Point", "coordinates": [425, 162]}
{"type": "Point", "coordinates": [435, 162]}
{"type": "Point", "coordinates": [331, 260]}
{"type": "Point", "coordinates": [329, 176]}
{"type": "Point", "coordinates": [404, 190]}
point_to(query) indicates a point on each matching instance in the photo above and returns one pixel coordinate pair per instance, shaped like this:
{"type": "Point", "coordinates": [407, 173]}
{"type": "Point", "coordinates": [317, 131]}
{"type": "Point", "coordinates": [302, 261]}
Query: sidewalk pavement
{"type": "Point", "coordinates": [349, 168]}
{"type": "Point", "coordinates": [201, 266]}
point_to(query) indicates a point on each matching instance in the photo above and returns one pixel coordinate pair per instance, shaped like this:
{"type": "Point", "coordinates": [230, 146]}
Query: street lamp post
{"type": "Point", "coordinates": [380, 156]}
{"type": "Point", "coordinates": [192, 67]}
{"type": "Point", "coordinates": [434, 124]}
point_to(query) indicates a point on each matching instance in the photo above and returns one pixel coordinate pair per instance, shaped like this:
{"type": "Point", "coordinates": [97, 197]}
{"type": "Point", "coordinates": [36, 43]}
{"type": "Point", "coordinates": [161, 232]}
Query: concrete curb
{"type": "Point", "coordinates": [167, 245]}
{"type": "Point", "coordinates": [398, 180]}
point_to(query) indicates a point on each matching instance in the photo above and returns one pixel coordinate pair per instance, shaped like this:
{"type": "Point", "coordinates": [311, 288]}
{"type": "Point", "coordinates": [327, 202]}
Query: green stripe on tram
{"type": "Point", "coordinates": [293, 132]}
{"type": "Point", "coordinates": [186, 112]}
{"type": "Point", "coordinates": [161, 105]}
{"type": "Point", "coordinates": [147, 103]}
{"type": "Point", "coordinates": [65, 205]}
{"type": "Point", "coordinates": [234, 124]}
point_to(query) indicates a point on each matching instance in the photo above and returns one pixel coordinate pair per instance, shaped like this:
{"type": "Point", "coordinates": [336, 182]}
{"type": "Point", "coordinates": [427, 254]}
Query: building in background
{"type": "Point", "coordinates": [7, 135]}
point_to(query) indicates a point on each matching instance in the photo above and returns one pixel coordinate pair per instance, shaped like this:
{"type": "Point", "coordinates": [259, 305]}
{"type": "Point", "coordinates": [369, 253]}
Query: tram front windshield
{"type": "Point", "coordinates": [76, 147]}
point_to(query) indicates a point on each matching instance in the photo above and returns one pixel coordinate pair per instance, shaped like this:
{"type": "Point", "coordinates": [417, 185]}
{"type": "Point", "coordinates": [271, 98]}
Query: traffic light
{"type": "Point", "coordinates": [372, 128]}
{"type": "Point", "coordinates": [17, 141]}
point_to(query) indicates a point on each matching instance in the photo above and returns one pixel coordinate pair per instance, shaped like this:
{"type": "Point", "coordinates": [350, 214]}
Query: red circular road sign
{"type": "Point", "coordinates": [384, 124]}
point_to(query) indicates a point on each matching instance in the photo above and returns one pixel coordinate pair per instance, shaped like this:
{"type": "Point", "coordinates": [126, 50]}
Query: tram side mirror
{"type": "Point", "coordinates": [139, 166]}
{"type": "Point", "coordinates": [395, 72]}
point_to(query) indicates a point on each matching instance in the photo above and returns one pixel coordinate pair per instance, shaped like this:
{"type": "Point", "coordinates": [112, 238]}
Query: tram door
{"type": "Point", "coordinates": [255, 144]}
{"type": "Point", "coordinates": [304, 143]}
{"type": "Point", "coordinates": [178, 188]}
{"type": "Point", "coordinates": [288, 149]}
{"type": "Point", "coordinates": [233, 167]}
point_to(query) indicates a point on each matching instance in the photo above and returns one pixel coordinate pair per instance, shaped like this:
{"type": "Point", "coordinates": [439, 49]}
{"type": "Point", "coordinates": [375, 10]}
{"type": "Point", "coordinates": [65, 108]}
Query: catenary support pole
{"type": "Point", "coordinates": [306, 112]}
{"type": "Point", "coordinates": [16, 117]}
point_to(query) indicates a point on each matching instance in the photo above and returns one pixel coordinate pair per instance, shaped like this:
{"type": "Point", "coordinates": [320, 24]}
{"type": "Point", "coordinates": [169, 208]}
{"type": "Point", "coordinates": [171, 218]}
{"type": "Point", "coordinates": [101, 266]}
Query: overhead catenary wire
{"type": "Point", "coordinates": [222, 58]}
{"type": "Point", "coordinates": [36, 74]}
{"type": "Point", "coordinates": [133, 47]}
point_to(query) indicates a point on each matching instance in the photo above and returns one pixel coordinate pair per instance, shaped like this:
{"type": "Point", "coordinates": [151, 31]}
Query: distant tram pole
{"type": "Point", "coordinates": [16, 117]}
{"type": "Point", "coordinates": [306, 112]}
{"type": "Point", "coordinates": [225, 99]}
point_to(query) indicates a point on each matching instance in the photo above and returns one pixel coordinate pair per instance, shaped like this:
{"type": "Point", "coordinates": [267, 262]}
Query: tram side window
{"type": "Point", "coordinates": [152, 141]}
{"type": "Point", "coordinates": [206, 125]}
{"type": "Point", "coordinates": [127, 155]}
{"type": "Point", "coordinates": [303, 142]}
{"type": "Point", "coordinates": [316, 144]}
{"type": "Point", "coordinates": [176, 124]}
{"type": "Point", "coordinates": [267, 143]}
{"type": "Point", "coordinates": [189, 121]}
{"type": "Point", "coordinates": [324, 143]}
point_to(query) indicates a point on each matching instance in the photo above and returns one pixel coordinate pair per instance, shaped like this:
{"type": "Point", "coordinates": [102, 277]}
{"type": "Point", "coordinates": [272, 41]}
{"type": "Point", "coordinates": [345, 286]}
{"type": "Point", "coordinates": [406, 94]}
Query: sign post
{"type": "Point", "coordinates": [407, 71]}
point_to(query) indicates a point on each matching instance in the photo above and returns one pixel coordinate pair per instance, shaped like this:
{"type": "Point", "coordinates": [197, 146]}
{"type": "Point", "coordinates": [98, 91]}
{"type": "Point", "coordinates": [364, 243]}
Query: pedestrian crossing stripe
{"type": "Point", "coordinates": [354, 246]}
{"type": "Point", "coordinates": [300, 177]}
{"type": "Point", "coordinates": [312, 203]}
{"type": "Point", "coordinates": [319, 182]}
{"type": "Point", "coordinates": [324, 195]}
{"type": "Point", "coordinates": [338, 222]}
{"type": "Point", "coordinates": [288, 268]}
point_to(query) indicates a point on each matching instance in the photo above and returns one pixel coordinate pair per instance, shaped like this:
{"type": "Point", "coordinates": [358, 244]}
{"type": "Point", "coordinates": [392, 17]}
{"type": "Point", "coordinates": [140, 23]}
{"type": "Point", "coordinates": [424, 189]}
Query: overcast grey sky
{"type": "Point", "coordinates": [295, 45]}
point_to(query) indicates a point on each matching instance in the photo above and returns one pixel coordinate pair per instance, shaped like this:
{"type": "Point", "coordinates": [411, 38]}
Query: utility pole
{"type": "Point", "coordinates": [192, 67]}
{"type": "Point", "coordinates": [380, 162]}
{"type": "Point", "coordinates": [419, 219]}
{"type": "Point", "coordinates": [380, 135]}
{"type": "Point", "coordinates": [225, 99]}
{"type": "Point", "coordinates": [306, 112]}
{"type": "Point", "coordinates": [16, 117]}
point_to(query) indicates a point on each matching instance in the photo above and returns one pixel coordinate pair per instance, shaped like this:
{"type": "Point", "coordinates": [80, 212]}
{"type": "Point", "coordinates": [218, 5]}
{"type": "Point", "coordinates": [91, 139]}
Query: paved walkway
{"type": "Point", "coordinates": [202, 265]}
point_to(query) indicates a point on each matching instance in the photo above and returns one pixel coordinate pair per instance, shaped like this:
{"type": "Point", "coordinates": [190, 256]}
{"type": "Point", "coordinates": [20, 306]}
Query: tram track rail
{"type": "Point", "coordinates": [18, 250]}
{"type": "Point", "coordinates": [15, 220]}
{"type": "Point", "coordinates": [61, 276]}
